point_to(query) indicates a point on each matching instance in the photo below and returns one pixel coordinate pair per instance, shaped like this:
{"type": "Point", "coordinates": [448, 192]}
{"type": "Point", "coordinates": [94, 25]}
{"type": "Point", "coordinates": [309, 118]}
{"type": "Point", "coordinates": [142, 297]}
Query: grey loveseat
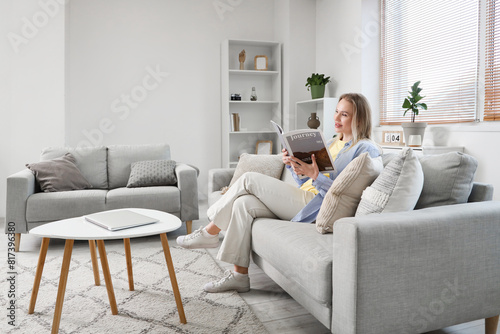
{"type": "Point", "coordinates": [107, 169]}
{"type": "Point", "coordinates": [400, 272]}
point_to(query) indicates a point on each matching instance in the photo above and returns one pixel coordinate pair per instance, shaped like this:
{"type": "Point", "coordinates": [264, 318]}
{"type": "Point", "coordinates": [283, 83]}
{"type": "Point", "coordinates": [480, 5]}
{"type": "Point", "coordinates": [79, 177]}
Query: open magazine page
{"type": "Point", "coordinates": [280, 132]}
{"type": "Point", "coordinates": [304, 143]}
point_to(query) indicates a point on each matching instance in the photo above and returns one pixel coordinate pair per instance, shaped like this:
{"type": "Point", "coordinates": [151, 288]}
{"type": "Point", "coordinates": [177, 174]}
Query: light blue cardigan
{"type": "Point", "coordinates": [322, 183]}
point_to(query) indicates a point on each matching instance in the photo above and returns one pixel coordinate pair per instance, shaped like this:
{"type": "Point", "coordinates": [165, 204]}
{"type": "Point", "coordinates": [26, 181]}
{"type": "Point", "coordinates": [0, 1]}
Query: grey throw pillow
{"type": "Point", "coordinates": [152, 173]}
{"type": "Point", "coordinates": [448, 179]}
{"type": "Point", "coordinates": [59, 174]}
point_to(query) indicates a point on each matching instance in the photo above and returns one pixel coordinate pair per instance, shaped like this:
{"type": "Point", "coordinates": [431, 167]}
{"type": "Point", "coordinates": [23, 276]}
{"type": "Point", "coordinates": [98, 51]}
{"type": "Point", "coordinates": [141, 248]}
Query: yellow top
{"type": "Point", "coordinates": [334, 149]}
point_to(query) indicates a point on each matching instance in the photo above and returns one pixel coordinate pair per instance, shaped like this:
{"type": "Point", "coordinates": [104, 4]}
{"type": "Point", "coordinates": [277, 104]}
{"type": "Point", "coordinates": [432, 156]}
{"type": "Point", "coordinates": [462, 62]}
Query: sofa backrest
{"type": "Point", "coordinates": [91, 161]}
{"type": "Point", "coordinates": [120, 158]}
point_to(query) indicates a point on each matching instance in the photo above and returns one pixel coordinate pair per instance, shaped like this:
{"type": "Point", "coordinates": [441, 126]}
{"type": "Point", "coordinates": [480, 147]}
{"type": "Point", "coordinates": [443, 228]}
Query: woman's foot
{"type": "Point", "coordinates": [198, 239]}
{"type": "Point", "coordinates": [230, 281]}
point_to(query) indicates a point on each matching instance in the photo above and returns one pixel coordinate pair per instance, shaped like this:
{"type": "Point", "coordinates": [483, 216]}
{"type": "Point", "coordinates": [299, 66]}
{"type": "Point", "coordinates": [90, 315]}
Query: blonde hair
{"type": "Point", "coordinates": [362, 117]}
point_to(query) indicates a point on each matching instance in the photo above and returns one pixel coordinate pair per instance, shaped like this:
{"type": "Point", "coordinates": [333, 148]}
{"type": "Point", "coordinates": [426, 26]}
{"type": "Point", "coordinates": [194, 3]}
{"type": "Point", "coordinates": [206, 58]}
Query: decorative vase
{"type": "Point", "coordinates": [317, 92]}
{"type": "Point", "coordinates": [413, 128]}
{"type": "Point", "coordinates": [313, 122]}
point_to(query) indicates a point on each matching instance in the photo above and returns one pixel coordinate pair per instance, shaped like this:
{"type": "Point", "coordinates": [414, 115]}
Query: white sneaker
{"type": "Point", "coordinates": [198, 240]}
{"type": "Point", "coordinates": [229, 282]}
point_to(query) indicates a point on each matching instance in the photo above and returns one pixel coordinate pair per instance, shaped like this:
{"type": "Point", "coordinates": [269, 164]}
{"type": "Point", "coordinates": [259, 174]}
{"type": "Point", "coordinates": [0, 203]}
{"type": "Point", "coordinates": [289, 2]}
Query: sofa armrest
{"type": "Point", "coordinates": [218, 178]}
{"type": "Point", "coordinates": [481, 192]}
{"type": "Point", "coordinates": [20, 186]}
{"type": "Point", "coordinates": [187, 182]}
{"type": "Point", "coordinates": [416, 271]}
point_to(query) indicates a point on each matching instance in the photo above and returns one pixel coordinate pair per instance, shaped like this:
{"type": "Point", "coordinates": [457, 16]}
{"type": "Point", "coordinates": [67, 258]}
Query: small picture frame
{"type": "Point", "coordinates": [394, 138]}
{"type": "Point", "coordinates": [264, 147]}
{"type": "Point", "coordinates": [261, 63]}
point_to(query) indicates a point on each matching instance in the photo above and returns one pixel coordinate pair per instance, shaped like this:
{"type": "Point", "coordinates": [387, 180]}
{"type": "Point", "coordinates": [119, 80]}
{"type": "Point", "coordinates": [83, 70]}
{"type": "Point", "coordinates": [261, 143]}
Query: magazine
{"type": "Point", "coordinates": [304, 143]}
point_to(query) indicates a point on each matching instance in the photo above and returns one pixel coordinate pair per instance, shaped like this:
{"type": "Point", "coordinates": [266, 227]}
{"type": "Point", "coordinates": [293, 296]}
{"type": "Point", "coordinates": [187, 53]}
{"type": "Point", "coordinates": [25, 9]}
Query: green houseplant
{"type": "Point", "coordinates": [412, 102]}
{"type": "Point", "coordinates": [316, 83]}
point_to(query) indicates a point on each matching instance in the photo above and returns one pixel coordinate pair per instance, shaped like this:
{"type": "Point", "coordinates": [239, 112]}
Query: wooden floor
{"type": "Point", "coordinates": [272, 305]}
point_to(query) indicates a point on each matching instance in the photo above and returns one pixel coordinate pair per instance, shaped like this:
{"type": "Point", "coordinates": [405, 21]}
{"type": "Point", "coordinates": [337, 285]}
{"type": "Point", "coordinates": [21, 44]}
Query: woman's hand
{"type": "Point", "coordinates": [285, 157]}
{"type": "Point", "coordinates": [303, 168]}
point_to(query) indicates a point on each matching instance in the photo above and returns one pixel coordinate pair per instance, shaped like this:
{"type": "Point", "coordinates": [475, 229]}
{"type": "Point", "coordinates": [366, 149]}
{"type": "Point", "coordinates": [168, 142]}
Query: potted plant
{"type": "Point", "coordinates": [412, 102]}
{"type": "Point", "coordinates": [317, 82]}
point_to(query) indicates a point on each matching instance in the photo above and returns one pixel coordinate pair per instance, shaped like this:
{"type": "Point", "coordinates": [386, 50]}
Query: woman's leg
{"type": "Point", "coordinates": [236, 245]}
{"type": "Point", "coordinates": [283, 199]}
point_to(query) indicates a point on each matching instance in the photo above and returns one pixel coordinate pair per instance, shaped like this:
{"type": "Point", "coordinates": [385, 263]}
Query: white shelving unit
{"type": "Point", "coordinates": [255, 116]}
{"type": "Point", "coordinates": [324, 109]}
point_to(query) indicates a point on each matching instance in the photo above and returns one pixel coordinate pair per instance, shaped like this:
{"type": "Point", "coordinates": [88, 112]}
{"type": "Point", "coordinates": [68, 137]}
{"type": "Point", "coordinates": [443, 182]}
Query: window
{"type": "Point", "coordinates": [492, 68]}
{"type": "Point", "coordinates": [437, 43]}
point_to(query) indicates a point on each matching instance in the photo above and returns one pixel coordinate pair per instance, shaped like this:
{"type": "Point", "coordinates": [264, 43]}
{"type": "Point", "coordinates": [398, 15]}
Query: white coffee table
{"type": "Point", "coordinates": [80, 229]}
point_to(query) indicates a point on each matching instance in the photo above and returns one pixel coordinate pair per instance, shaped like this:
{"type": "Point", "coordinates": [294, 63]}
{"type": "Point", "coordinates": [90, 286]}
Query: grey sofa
{"type": "Point", "coordinates": [403, 272]}
{"type": "Point", "coordinates": [107, 169]}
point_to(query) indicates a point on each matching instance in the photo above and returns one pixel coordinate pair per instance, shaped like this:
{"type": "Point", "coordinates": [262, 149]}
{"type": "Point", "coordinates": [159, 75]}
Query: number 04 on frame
{"type": "Point", "coordinates": [392, 138]}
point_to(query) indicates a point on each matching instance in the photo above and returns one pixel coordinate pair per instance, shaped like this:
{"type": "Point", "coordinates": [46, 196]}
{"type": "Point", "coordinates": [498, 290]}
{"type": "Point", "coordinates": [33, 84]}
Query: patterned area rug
{"type": "Point", "coordinates": [150, 308]}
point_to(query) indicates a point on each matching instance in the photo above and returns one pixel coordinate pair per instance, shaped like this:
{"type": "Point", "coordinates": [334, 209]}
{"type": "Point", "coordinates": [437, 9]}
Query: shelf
{"type": "Point", "coordinates": [251, 132]}
{"type": "Point", "coordinates": [253, 72]}
{"type": "Point", "coordinates": [254, 102]}
{"type": "Point", "coordinates": [255, 116]}
{"type": "Point", "coordinates": [325, 111]}
{"type": "Point", "coordinates": [316, 101]}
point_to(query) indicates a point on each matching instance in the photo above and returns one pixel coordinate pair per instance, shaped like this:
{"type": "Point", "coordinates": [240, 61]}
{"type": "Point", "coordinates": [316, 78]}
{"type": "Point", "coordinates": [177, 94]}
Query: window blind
{"type": "Point", "coordinates": [435, 42]}
{"type": "Point", "coordinates": [492, 66]}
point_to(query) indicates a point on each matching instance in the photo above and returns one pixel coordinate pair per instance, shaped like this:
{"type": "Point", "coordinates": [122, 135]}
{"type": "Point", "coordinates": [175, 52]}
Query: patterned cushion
{"type": "Point", "coordinates": [271, 165]}
{"type": "Point", "coordinates": [152, 173]}
{"type": "Point", "coordinates": [59, 174]}
{"type": "Point", "coordinates": [397, 188]}
{"type": "Point", "coordinates": [344, 195]}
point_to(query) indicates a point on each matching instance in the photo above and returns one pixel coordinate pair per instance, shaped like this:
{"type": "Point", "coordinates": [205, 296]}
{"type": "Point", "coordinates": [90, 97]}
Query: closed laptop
{"type": "Point", "coordinates": [119, 220]}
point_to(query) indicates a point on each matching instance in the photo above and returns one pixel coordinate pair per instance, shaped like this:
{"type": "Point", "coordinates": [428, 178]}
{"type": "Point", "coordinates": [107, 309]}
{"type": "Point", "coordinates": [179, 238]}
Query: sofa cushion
{"type": "Point", "coordinates": [448, 179]}
{"type": "Point", "coordinates": [121, 157]}
{"type": "Point", "coordinates": [162, 198]}
{"type": "Point", "coordinates": [270, 165]}
{"type": "Point", "coordinates": [397, 188]}
{"type": "Point", "coordinates": [299, 253]}
{"type": "Point", "coordinates": [343, 197]}
{"type": "Point", "coordinates": [46, 207]}
{"type": "Point", "coordinates": [152, 173]}
{"type": "Point", "coordinates": [91, 161]}
{"type": "Point", "coordinates": [59, 174]}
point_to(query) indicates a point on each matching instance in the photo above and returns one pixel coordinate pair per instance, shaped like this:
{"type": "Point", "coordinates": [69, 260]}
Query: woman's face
{"type": "Point", "coordinates": [343, 119]}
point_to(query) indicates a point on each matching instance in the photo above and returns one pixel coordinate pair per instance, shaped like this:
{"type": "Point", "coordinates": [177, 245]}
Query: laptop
{"type": "Point", "coordinates": [119, 220]}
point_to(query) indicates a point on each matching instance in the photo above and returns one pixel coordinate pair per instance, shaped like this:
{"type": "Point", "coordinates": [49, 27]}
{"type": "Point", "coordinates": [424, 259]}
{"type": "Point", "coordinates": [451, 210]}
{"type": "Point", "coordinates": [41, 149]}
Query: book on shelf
{"type": "Point", "coordinates": [235, 122]}
{"type": "Point", "coordinates": [304, 143]}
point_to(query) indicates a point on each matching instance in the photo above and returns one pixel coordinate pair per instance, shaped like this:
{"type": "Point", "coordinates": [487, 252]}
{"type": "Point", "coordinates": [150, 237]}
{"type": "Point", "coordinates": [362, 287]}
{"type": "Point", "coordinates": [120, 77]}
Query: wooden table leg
{"type": "Point", "coordinates": [17, 242]}
{"type": "Point", "coordinates": [128, 257]}
{"type": "Point", "coordinates": [93, 257]}
{"type": "Point", "coordinates": [173, 279]}
{"type": "Point", "coordinates": [63, 279]}
{"type": "Point", "coordinates": [38, 275]}
{"type": "Point", "coordinates": [107, 276]}
{"type": "Point", "coordinates": [491, 325]}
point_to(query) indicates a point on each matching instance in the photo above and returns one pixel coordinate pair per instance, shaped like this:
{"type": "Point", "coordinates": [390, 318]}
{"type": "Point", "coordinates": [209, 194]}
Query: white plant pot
{"type": "Point", "coordinates": [413, 128]}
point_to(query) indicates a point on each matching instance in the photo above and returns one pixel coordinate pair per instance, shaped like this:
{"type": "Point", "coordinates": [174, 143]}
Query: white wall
{"type": "Point", "coordinates": [114, 47]}
{"type": "Point", "coordinates": [32, 109]}
{"type": "Point", "coordinates": [296, 28]}
{"type": "Point", "coordinates": [348, 49]}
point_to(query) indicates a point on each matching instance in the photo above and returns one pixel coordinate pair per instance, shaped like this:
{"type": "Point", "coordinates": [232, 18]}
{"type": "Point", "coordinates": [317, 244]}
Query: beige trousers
{"type": "Point", "coordinates": [253, 195]}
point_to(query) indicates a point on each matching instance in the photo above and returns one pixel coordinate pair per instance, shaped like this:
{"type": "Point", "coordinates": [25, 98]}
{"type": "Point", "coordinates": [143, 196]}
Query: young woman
{"type": "Point", "coordinates": [255, 195]}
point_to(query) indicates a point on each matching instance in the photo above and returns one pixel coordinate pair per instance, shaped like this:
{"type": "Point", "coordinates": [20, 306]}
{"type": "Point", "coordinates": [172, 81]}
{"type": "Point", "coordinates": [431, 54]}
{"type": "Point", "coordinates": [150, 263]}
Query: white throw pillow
{"type": "Point", "coordinates": [344, 195]}
{"type": "Point", "coordinates": [397, 188]}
